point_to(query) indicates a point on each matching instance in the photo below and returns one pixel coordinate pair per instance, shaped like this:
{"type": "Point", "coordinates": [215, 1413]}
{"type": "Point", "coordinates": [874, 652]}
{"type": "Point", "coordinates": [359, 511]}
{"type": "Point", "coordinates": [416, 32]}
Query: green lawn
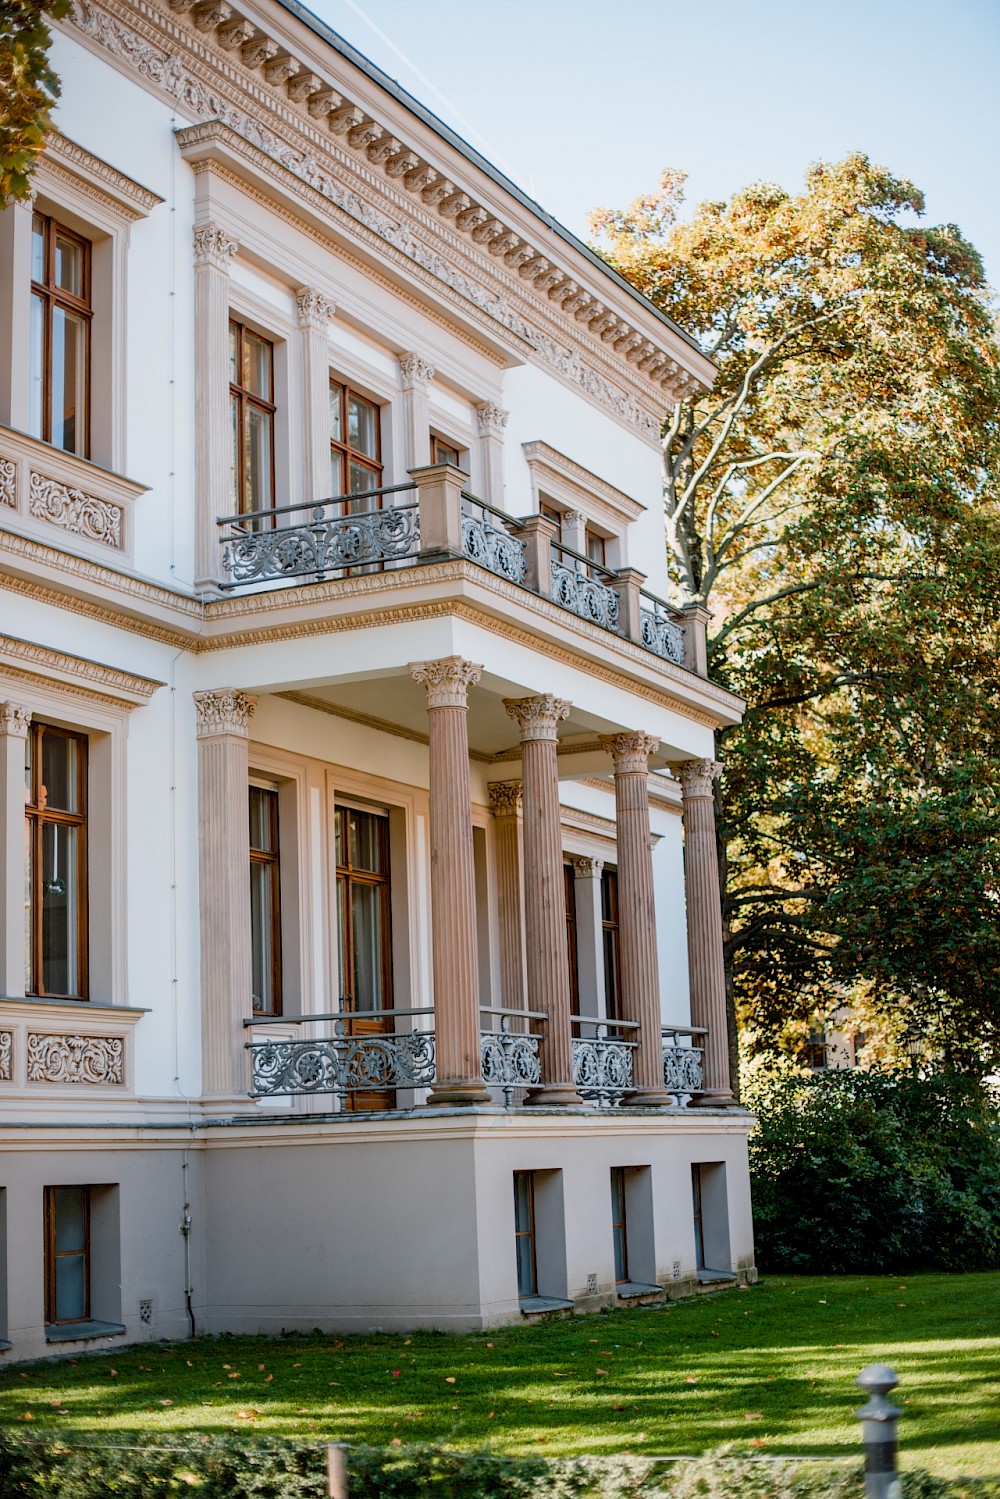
{"type": "Point", "coordinates": [771, 1369]}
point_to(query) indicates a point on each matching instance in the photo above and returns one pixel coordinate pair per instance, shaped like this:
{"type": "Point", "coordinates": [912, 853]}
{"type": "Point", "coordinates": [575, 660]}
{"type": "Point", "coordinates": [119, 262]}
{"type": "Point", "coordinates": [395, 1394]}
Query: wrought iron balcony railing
{"type": "Point", "coordinates": [682, 1063]}
{"type": "Point", "coordinates": [489, 538]}
{"type": "Point", "coordinates": [332, 538]}
{"type": "Point", "coordinates": [510, 1057]}
{"type": "Point", "coordinates": [660, 631]}
{"type": "Point", "coordinates": [602, 1062]}
{"type": "Point", "coordinates": [584, 587]}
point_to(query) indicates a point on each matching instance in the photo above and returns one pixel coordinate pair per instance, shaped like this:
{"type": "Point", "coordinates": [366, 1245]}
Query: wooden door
{"type": "Point", "coordinates": [364, 933]}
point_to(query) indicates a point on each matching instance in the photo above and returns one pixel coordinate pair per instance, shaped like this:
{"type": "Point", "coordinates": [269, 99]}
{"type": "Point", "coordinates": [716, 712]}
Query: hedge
{"type": "Point", "coordinates": [239, 1468]}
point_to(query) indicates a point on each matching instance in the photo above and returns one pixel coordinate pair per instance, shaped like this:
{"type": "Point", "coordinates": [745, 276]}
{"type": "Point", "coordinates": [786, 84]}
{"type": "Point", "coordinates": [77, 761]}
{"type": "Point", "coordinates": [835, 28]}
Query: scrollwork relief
{"type": "Point", "coordinates": [6, 1056]}
{"type": "Point", "coordinates": [72, 510]}
{"type": "Point", "coordinates": [8, 482]}
{"type": "Point", "coordinates": [96, 1060]}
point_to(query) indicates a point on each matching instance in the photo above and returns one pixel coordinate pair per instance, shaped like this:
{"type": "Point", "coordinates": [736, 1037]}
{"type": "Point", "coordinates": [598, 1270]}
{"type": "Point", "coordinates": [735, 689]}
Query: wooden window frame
{"type": "Point", "coordinates": [351, 876]}
{"type": "Point", "coordinates": [37, 818]}
{"type": "Point", "coordinates": [452, 447]}
{"type": "Point", "coordinates": [52, 1254]}
{"type": "Point", "coordinates": [52, 296]}
{"type": "Point", "coordinates": [527, 1233]}
{"type": "Point", "coordinates": [572, 957]}
{"type": "Point", "coordinates": [555, 515]}
{"type": "Point", "coordinates": [271, 857]}
{"type": "Point", "coordinates": [245, 399]}
{"type": "Point", "coordinates": [619, 1225]}
{"type": "Point", "coordinates": [591, 537]}
{"type": "Point", "coordinates": [611, 927]}
{"type": "Point", "coordinates": [343, 448]}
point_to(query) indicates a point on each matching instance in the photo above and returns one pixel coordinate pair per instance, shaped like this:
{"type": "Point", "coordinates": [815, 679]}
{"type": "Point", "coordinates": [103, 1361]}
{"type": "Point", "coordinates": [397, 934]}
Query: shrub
{"type": "Point", "coordinates": [868, 1172]}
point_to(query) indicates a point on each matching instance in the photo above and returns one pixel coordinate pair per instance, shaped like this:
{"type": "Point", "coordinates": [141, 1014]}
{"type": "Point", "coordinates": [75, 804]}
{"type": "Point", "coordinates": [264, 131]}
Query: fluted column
{"type": "Point", "coordinates": [415, 375]}
{"type": "Point", "coordinates": [506, 804]}
{"type": "Point", "coordinates": [14, 724]}
{"type": "Point", "coordinates": [640, 977]}
{"type": "Point", "coordinates": [214, 249]}
{"type": "Point", "coordinates": [224, 875]}
{"type": "Point", "coordinates": [315, 312]}
{"type": "Point", "coordinates": [453, 883]}
{"type": "Point", "coordinates": [704, 925]}
{"type": "Point", "coordinates": [491, 421]}
{"type": "Point", "coordinates": [544, 893]}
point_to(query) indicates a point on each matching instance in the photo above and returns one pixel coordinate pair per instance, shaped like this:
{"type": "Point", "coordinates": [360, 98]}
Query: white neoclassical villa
{"type": "Point", "coordinates": [360, 934]}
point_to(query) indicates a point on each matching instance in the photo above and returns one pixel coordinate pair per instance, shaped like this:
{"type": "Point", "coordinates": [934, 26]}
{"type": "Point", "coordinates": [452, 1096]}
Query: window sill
{"type": "Point", "coordinates": [631, 1290]}
{"type": "Point", "coordinates": [715, 1277]}
{"type": "Point", "coordinates": [534, 1306]}
{"type": "Point", "coordinates": [79, 1332]}
{"type": "Point", "coordinates": [4, 1345]}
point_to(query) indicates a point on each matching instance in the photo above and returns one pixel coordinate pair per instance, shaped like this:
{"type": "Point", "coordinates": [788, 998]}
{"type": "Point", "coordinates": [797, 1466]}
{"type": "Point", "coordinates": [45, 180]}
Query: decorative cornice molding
{"type": "Point", "coordinates": [415, 373]}
{"type": "Point", "coordinates": [630, 752]}
{"type": "Point", "coordinates": [696, 777]}
{"type": "Point", "coordinates": [506, 798]}
{"type": "Point", "coordinates": [224, 710]}
{"type": "Point", "coordinates": [552, 470]}
{"type": "Point", "coordinates": [314, 309]}
{"type": "Point", "coordinates": [126, 199]}
{"type": "Point", "coordinates": [14, 721]}
{"type": "Point", "coordinates": [447, 681]}
{"type": "Point", "coordinates": [537, 717]}
{"type": "Point", "coordinates": [78, 673]}
{"type": "Point", "coordinates": [214, 246]}
{"type": "Point", "coordinates": [491, 420]}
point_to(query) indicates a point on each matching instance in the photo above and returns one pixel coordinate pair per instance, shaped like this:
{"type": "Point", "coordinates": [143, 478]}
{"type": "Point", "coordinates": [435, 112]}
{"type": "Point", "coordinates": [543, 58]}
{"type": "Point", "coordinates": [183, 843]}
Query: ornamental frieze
{"type": "Point", "coordinates": [97, 1060]}
{"type": "Point", "coordinates": [74, 511]}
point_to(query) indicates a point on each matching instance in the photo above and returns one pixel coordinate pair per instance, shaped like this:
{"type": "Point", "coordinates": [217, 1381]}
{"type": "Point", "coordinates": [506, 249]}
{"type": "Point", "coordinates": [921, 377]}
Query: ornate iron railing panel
{"type": "Point", "coordinates": [682, 1068]}
{"type": "Point", "coordinates": [574, 589]}
{"type": "Point", "coordinates": [510, 1060]}
{"type": "Point", "coordinates": [602, 1068]}
{"type": "Point", "coordinates": [660, 631]}
{"type": "Point", "coordinates": [490, 544]}
{"type": "Point", "coordinates": [259, 551]}
{"type": "Point", "coordinates": [342, 1063]}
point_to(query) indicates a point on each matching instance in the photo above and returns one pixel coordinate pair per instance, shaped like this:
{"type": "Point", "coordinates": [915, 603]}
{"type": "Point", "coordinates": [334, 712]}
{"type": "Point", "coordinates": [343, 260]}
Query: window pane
{"type": "Point", "coordinates": [611, 975]}
{"type": "Point", "coordinates": [362, 426]}
{"type": "Point", "coordinates": [263, 819]}
{"type": "Point", "coordinates": [38, 248]}
{"type": "Point", "coordinates": [71, 1288]}
{"type": "Point", "coordinates": [362, 480]}
{"type": "Point", "coordinates": [36, 366]}
{"type": "Point", "coordinates": [595, 548]}
{"type": "Point", "coordinates": [366, 841]}
{"type": "Point", "coordinates": [235, 497]}
{"type": "Point", "coordinates": [60, 908]}
{"type": "Point", "coordinates": [69, 380]}
{"type": "Point", "coordinates": [258, 459]}
{"type": "Point", "coordinates": [60, 786]}
{"type": "Point", "coordinates": [366, 913]}
{"type": "Point", "coordinates": [336, 401]}
{"type": "Point", "coordinates": [30, 976]}
{"type": "Point", "coordinates": [69, 266]}
{"type": "Point", "coordinates": [336, 475]}
{"type": "Point", "coordinates": [525, 1266]}
{"type": "Point", "coordinates": [257, 365]}
{"type": "Point", "coordinates": [69, 1208]}
{"type": "Point", "coordinates": [345, 977]}
{"type": "Point", "coordinates": [522, 1202]}
{"type": "Point", "coordinates": [261, 935]}
{"type": "Point", "coordinates": [234, 354]}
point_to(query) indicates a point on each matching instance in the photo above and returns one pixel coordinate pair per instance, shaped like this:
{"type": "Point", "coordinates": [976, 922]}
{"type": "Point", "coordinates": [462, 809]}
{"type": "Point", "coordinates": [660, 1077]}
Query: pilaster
{"type": "Point", "coordinates": [15, 312]}
{"type": "Point", "coordinates": [214, 249]}
{"type": "Point", "coordinates": [223, 720]}
{"type": "Point", "coordinates": [491, 421]}
{"type": "Point", "coordinates": [544, 893]}
{"type": "Point", "coordinates": [416, 374]}
{"type": "Point", "coordinates": [14, 723]}
{"type": "Point", "coordinates": [587, 875]}
{"type": "Point", "coordinates": [704, 924]}
{"type": "Point", "coordinates": [507, 806]}
{"type": "Point", "coordinates": [453, 883]}
{"type": "Point", "coordinates": [314, 314]}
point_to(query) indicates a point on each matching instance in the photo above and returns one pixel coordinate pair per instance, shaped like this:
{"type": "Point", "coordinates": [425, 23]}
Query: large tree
{"type": "Point", "coordinates": [833, 501]}
{"type": "Point", "coordinates": [28, 89]}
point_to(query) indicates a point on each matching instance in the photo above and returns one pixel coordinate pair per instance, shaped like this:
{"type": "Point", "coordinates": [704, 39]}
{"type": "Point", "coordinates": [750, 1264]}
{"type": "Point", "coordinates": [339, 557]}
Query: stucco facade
{"type": "Point", "coordinates": [369, 871]}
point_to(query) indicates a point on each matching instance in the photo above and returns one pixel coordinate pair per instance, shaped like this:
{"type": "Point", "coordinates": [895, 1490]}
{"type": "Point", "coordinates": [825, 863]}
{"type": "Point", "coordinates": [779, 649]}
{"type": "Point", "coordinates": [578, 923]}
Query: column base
{"type": "Point", "coordinates": [553, 1095]}
{"type": "Point", "coordinates": [448, 1092]}
{"type": "Point", "coordinates": [713, 1098]}
{"type": "Point", "coordinates": [648, 1098]}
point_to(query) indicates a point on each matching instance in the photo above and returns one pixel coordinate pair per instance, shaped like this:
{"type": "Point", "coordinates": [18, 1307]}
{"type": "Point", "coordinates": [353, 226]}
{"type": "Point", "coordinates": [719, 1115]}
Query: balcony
{"type": "Point", "coordinates": [431, 518]}
{"type": "Point", "coordinates": [342, 1063]}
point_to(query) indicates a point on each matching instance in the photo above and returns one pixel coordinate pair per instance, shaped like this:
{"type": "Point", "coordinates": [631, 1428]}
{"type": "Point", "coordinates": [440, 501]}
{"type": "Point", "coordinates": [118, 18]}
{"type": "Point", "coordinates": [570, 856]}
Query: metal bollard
{"type": "Point", "coordinates": [336, 1470]}
{"type": "Point", "coordinates": [878, 1432]}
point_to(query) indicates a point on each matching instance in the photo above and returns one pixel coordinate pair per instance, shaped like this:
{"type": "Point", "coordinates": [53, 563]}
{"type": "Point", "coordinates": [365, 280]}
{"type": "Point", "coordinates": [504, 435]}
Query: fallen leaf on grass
{"type": "Point", "coordinates": [236, 1375]}
{"type": "Point", "coordinates": [166, 1402]}
{"type": "Point", "coordinates": [752, 1416]}
{"type": "Point", "coordinates": [27, 1416]}
{"type": "Point", "coordinates": [449, 1379]}
{"type": "Point", "coordinates": [600, 1371]}
{"type": "Point", "coordinates": [714, 1333]}
{"type": "Point", "coordinates": [268, 1378]}
{"type": "Point", "coordinates": [489, 1415]}
{"type": "Point", "coordinates": [247, 1415]}
{"type": "Point", "coordinates": [261, 1368]}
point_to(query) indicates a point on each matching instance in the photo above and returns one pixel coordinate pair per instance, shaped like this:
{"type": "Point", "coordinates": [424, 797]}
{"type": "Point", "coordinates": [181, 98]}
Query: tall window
{"type": "Point", "coordinates": [355, 443]}
{"type": "Point", "coordinates": [56, 886]}
{"type": "Point", "coordinates": [59, 357]}
{"type": "Point", "coordinates": [524, 1233]}
{"type": "Point", "coordinates": [363, 928]}
{"type": "Point", "coordinates": [444, 452]}
{"type": "Point", "coordinates": [555, 516]}
{"type": "Point", "coordinates": [265, 902]}
{"type": "Point", "coordinates": [251, 416]}
{"type": "Point", "coordinates": [618, 1223]}
{"type": "Point", "coordinates": [612, 953]}
{"type": "Point", "coordinates": [569, 883]}
{"type": "Point", "coordinates": [597, 551]}
{"type": "Point", "coordinates": [67, 1254]}
{"type": "Point", "coordinates": [699, 1222]}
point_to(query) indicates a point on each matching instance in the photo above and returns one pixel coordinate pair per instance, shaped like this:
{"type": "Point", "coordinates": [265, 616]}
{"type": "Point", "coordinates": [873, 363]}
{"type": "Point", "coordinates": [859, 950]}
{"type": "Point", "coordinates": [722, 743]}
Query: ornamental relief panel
{"type": "Point", "coordinates": [8, 482]}
{"type": "Point", "coordinates": [97, 1060]}
{"type": "Point", "coordinates": [6, 1056]}
{"type": "Point", "coordinates": [74, 511]}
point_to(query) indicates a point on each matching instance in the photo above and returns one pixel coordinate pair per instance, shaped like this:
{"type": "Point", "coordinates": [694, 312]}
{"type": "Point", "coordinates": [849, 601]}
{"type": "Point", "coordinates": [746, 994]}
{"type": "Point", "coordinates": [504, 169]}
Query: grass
{"type": "Point", "coordinates": [771, 1369]}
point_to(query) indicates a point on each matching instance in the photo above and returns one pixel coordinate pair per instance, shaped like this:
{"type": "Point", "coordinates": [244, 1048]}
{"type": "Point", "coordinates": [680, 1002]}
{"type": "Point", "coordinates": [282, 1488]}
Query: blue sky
{"type": "Point", "coordinates": [584, 103]}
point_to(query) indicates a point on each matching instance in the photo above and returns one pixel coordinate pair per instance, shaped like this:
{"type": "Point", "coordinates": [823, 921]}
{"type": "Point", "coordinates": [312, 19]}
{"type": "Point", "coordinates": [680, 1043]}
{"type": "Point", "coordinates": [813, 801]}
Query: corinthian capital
{"type": "Point", "coordinates": [447, 681]}
{"type": "Point", "coordinates": [314, 310]}
{"type": "Point", "coordinates": [224, 711]}
{"type": "Point", "coordinates": [630, 752]}
{"type": "Point", "coordinates": [506, 798]}
{"type": "Point", "coordinates": [14, 720]}
{"type": "Point", "coordinates": [416, 373]}
{"type": "Point", "coordinates": [213, 246]}
{"type": "Point", "coordinates": [696, 777]}
{"type": "Point", "coordinates": [491, 420]}
{"type": "Point", "coordinates": [537, 717]}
